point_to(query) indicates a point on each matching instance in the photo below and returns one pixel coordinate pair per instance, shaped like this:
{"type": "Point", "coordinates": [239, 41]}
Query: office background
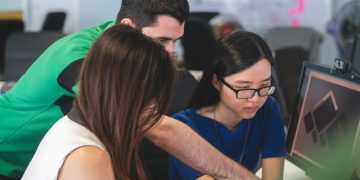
{"type": "Point", "coordinates": [251, 14]}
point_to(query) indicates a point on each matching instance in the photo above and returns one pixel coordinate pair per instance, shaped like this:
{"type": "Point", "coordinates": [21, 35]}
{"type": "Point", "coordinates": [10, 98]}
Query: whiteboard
{"type": "Point", "coordinates": [264, 14]}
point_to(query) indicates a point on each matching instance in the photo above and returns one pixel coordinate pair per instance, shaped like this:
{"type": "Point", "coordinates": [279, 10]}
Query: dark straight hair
{"type": "Point", "coordinates": [144, 12]}
{"type": "Point", "coordinates": [232, 53]}
{"type": "Point", "coordinates": [125, 85]}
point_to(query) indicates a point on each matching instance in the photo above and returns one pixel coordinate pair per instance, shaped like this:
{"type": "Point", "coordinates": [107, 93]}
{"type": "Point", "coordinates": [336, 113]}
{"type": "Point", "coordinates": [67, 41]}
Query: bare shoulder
{"type": "Point", "coordinates": [87, 162]}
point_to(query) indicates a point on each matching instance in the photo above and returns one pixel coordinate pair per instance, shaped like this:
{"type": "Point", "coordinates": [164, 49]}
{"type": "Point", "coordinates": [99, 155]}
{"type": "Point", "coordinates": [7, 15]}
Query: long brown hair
{"type": "Point", "coordinates": [125, 85]}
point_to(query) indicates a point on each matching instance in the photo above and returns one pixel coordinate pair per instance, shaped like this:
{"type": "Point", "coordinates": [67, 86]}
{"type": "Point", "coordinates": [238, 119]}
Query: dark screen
{"type": "Point", "coordinates": [324, 114]}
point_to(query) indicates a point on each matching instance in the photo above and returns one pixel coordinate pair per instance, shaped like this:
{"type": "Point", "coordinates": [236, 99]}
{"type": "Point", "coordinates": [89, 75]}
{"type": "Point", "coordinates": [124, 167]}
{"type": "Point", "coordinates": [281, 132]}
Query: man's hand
{"type": "Point", "coordinates": [181, 141]}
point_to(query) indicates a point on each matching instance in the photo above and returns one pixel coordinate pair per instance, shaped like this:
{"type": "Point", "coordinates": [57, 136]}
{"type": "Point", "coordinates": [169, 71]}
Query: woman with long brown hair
{"type": "Point", "coordinates": [125, 85]}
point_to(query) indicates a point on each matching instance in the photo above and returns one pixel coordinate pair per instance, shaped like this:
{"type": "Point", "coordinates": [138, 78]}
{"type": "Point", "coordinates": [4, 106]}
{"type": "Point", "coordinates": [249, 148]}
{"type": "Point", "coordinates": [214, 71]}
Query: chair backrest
{"type": "Point", "coordinates": [204, 15]}
{"type": "Point", "coordinates": [288, 65]}
{"type": "Point", "coordinates": [7, 27]}
{"type": "Point", "coordinates": [185, 86]}
{"type": "Point", "coordinates": [22, 49]}
{"type": "Point", "coordinates": [154, 159]}
{"type": "Point", "coordinates": [305, 37]}
{"type": "Point", "coordinates": [280, 97]}
{"type": "Point", "coordinates": [198, 39]}
{"type": "Point", "coordinates": [54, 21]}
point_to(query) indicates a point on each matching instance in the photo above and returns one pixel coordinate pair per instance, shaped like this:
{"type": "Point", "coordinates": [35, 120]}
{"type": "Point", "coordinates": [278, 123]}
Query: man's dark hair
{"type": "Point", "coordinates": [144, 12]}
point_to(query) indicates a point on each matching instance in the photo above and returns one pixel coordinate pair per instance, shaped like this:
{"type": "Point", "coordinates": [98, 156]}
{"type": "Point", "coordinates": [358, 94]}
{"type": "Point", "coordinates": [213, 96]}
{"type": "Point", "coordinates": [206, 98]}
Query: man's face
{"type": "Point", "coordinates": [166, 30]}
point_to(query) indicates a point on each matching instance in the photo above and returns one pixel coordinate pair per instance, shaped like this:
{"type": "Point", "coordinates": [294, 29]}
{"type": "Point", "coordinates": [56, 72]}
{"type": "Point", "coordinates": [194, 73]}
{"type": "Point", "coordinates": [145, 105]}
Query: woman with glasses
{"type": "Point", "coordinates": [233, 110]}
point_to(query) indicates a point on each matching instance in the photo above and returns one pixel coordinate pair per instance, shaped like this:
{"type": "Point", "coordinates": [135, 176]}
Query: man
{"type": "Point", "coordinates": [45, 92]}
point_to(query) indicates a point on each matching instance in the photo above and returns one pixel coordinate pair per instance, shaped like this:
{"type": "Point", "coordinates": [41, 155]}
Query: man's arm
{"type": "Point", "coordinates": [181, 141]}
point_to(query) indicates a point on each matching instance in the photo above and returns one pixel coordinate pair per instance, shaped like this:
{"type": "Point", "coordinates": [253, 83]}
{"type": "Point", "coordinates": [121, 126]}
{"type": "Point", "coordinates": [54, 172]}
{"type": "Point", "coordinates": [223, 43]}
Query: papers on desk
{"type": "Point", "coordinates": [291, 172]}
{"type": "Point", "coordinates": [197, 74]}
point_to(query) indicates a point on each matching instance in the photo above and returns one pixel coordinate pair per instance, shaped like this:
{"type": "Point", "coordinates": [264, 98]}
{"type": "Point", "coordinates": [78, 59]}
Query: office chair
{"type": "Point", "coordinates": [206, 16]}
{"type": "Point", "coordinates": [305, 37]}
{"type": "Point", "coordinates": [22, 49]}
{"type": "Point", "coordinates": [185, 86]}
{"type": "Point", "coordinates": [155, 160]}
{"type": "Point", "coordinates": [7, 27]}
{"type": "Point", "coordinates": [288, 65]}
{"type": "Point", "coordinates": [198, 39]}
{"type": "Point", "coordinates": [280, 97]}
{"type": "Point", "coordinates": [54, 21]}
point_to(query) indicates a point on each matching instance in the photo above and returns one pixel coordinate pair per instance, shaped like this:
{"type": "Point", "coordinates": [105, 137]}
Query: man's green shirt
{"type": "Point", "coordinates": [42, 96]}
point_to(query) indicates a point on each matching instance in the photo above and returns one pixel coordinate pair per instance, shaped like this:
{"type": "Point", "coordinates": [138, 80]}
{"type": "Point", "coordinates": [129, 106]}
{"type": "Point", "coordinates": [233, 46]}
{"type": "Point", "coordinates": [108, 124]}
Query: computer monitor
{"type": "Point", "coordinates": [324, 130]}
{"type": "Point", "coordinates": [355, 55]}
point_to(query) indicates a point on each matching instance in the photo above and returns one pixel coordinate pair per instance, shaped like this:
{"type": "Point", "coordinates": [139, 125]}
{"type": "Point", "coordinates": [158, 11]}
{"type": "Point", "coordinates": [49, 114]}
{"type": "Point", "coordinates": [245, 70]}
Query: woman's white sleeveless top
{"type": "Point", "coordinates": [63, 137]}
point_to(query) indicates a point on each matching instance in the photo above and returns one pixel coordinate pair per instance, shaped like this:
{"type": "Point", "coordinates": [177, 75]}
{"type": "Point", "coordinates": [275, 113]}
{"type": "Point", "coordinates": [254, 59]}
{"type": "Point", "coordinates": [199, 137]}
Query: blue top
{"type": "Point", "coordinates": [263, 136]}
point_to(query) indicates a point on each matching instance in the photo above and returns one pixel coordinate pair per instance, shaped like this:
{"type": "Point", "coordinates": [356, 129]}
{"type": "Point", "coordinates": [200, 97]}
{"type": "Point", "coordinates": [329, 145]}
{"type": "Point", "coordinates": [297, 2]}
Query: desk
{"type": "Point", "coordinates": [291, 172]}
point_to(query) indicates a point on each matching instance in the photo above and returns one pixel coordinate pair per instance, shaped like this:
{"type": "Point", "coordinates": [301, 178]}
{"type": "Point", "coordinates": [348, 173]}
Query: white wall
{"type": "Point", "coordinates": [263, 14]}
{"type": "Point", "coordinates": [36, 10]}
{"type": "Point", "coordinates": [85, 13]}
{"type": "Point", "coordinates": [80, 13]}
{"type": "Point", "coordinates": [93, 12]}
{"type": "Point", "coordinates": [10, 5]}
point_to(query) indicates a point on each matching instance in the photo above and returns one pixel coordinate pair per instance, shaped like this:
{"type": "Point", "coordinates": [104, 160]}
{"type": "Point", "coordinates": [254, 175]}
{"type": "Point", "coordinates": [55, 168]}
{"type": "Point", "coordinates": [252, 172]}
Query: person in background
{"type": "Point", "coordinates": [224, 23]}
{"type": "Point", "coordinates": [45, 93]}
{"type": "Point", "coordinates": [100, 137]}
{"type": "Point", "coordinates": [233, 109]}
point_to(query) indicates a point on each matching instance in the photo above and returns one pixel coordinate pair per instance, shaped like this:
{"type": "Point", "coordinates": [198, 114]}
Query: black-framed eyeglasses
{"type": "Point", "coordinates": [249, 93]}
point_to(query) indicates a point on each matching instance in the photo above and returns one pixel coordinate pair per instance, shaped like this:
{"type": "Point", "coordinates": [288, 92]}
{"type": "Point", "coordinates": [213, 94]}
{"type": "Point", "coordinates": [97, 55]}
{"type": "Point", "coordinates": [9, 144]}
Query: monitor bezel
{"type": "Point", "coordinates": [355, 43]}
{"type": "Point", "coordinates": [355, 51]}
{"type": "Point", "coordinates": [310, 169]}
